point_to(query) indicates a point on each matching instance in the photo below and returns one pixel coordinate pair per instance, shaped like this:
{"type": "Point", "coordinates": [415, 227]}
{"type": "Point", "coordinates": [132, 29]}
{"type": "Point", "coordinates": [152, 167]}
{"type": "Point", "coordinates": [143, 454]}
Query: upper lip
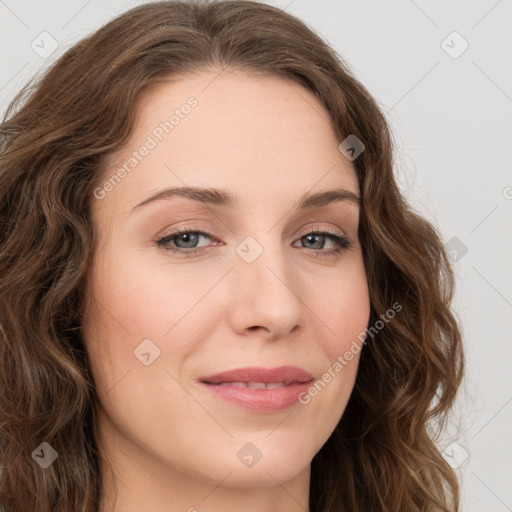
{"type": "Point", "coordinates": [286, 374]}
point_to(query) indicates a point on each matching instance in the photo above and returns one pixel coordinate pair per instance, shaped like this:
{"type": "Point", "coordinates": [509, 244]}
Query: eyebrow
{"type": "Point", "coordinates": [218, 197]}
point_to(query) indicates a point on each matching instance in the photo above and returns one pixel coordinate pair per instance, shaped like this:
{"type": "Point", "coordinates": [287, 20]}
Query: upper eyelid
{"type": "Point", "coordinates": [210, 232]}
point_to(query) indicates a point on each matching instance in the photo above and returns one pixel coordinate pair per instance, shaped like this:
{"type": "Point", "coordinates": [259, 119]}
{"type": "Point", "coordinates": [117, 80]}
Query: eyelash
{"type": "Point", "coordinates": [343, 242]}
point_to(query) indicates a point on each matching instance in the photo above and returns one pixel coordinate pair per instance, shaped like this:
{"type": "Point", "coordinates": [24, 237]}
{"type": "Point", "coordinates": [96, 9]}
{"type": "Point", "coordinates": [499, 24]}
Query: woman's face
{"type": "Point", "coordinates": [256, 291]}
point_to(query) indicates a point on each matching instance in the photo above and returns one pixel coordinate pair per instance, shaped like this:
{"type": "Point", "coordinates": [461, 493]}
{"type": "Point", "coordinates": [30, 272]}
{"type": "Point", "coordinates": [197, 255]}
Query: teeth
{"type": "Point", "coordinates": [254, 385]}
{"type": "Point", "coordinates": [234, 384]}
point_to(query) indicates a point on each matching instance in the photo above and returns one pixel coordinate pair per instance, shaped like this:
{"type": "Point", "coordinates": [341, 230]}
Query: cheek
{"type": "Point", "coordinates": [343, 305]}
{"type": "Point", "coordinates": [139, 309]}
{"type": "Point", "coordinates": [134, 300]}
{"type": "Point", "coordinates": [122, 314]}
{"type": "Point", "coordinates": [343, 310]}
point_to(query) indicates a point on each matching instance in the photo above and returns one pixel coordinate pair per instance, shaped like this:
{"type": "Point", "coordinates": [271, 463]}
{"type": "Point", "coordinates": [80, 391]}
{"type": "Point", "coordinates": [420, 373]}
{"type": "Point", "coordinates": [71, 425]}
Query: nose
{"type": "Point", "coordinates": [266, 295]}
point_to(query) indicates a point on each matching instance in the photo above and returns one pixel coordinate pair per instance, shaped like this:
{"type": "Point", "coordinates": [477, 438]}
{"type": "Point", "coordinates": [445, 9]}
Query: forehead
{"type": "Point", "coordinates": [261, 136]}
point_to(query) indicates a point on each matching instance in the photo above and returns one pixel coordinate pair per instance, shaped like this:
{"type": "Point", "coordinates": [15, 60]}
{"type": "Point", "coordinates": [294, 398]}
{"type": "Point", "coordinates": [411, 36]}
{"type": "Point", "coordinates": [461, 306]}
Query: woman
{"type": "Point", "coordinates": [213, 294]}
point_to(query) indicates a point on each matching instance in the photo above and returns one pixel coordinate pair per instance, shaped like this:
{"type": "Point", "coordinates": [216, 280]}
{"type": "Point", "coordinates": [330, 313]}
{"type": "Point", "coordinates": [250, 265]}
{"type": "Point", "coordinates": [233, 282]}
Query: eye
{"type": "Point", "coordinates": [318, 238]}
{"type": "Point", "coordinates": [184, 241]}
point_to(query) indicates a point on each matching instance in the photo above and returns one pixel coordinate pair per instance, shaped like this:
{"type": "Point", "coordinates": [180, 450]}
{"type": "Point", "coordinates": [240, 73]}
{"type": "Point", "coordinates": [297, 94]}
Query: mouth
{"type": "Point", "coordinates": [255, 385]}
{"type": "Point", "coordinates": [259, 390]}
{"type": "Point", "coordinates": [257, 377]}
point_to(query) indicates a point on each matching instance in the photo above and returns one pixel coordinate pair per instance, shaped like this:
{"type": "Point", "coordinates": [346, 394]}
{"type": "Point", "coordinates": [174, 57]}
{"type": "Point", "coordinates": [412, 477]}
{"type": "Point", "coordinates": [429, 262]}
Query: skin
{"type": "Point", "coordinates": [171, 444]}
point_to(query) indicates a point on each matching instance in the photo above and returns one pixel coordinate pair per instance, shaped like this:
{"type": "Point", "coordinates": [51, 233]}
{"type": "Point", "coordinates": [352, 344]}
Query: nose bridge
{"type": "Point", "coordinates": [259, 260]}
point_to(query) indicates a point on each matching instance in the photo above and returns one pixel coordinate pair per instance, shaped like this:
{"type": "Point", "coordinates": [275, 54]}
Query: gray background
{"type": "Point", "coordinates": [451, 117]}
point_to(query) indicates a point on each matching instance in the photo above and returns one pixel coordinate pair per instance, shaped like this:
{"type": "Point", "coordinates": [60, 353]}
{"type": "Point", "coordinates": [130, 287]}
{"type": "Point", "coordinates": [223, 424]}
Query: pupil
{"type": "Point", "coordinates": [187, 238]}
{"type": "Point", "coordinates": [311, 238]}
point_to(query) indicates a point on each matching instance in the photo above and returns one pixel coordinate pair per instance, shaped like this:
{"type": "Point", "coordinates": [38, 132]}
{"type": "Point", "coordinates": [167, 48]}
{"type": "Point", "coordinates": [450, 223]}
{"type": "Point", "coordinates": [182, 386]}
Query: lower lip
{"type": "Point", "coordinates": [260, 400]}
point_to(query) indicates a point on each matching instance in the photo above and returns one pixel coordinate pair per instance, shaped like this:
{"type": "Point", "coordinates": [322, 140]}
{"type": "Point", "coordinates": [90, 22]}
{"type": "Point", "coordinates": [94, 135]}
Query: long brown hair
{"type": "Point", "coordinates": [56, 135]}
